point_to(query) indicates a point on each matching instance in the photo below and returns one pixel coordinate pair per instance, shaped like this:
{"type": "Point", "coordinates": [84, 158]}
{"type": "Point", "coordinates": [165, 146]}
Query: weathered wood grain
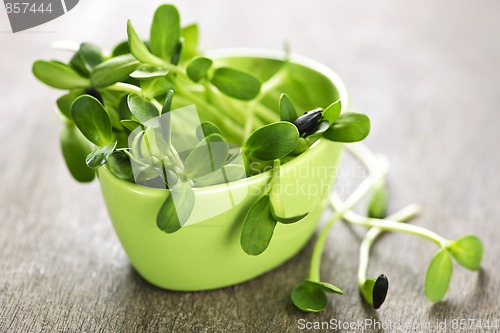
{"type": "Point", "coordinates": [426, 72]}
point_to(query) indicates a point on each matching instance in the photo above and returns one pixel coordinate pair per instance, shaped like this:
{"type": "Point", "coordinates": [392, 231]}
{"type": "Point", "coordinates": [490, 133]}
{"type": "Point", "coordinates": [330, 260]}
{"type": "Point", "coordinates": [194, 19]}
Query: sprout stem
{"type": "Point", "coordinates": [371, 236]}
{"type": "Point", "coordinates": [390, 225]}
{"type": "Point", "coordinates": [363, 189]}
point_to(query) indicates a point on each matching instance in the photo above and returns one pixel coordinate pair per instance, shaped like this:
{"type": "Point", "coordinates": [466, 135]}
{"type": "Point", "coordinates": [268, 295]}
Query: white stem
{"type": "Point", "coordinates": [402, 215]}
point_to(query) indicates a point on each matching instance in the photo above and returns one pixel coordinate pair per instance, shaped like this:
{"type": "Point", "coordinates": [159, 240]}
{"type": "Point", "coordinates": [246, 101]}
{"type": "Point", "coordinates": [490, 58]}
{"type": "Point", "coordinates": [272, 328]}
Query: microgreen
{"type": "Point", "coordinates": [207, 157]}
{"type": "Point", "coordinates": [236, 83]}
{"type": "Point", "coordinates": [272, 141]}
{"type": "Point", "coordinates": [198, 68]}
{"type": "Point", "coordinates": [120, 49]}
{"type": "Point", "coordinates": [226, 174]}
{"type": "Point", "coordinates": [58, 75]}
{"type": "Point", "coordinates": [467, 251]}
{"type": "Point", "coordinates": [113, 70]}
{"type": "Point", "coordinates": [377, 206]}
{"type": "Point", "coordinates": [288, 112]}
{"type": "Point", "coordinates": [374, 290]}
{"type": "Point", "coordinates": [206, 128]}
{"type": "Point", "coordinates": [165, 31]}
{"type": "Point", "coordinates": [258, 227]}
{"type": "Point", "coordinates": [75, 150]}
{"type": "Point", "coordinates": [99, 156]}
{"type": "Point", "coordinates": [311, 296]}
{"type": "Point", "coordinates": [119, 164]}
{"type": "Point", "coordinates": [349, 127]}
{"type": "Point", "coordinates": [175, 212]}
{"type": "Point", "coordinates": [142, 109]}
{"type": "Point", "coordinates": [190, 35]}
{"type": "Point", "coordinates": [91, 54]}
{"type": "Point", "coordinates": [64, 103]}
{"type": "Point", "coordinates": [263, 215]}
{"type": "Point", "coordinates": [124, 105]}
{"type": "Point", "coordinates": [438, 276]}
{"type": "Point", "coordinates": [92, 120]}
{"type": "Point", "coordinates": [332, 112]}
{"type": "Point", "coordinates": [167, 104]}
{"type": "Point", "coordinates": [139, 49]}
{"type": "Point", "coordinates": [147, 72]}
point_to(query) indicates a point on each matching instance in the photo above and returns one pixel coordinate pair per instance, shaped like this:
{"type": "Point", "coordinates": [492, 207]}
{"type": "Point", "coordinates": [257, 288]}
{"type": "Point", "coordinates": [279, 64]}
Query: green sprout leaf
{"type": "Point", "coordinates": [120, 49]}
{"type": "Point", "coordinates": [311, 296]}
{"type": "Point", "coordinates": [147, 72]}
{"type": "Point", "coordinates": [236, 83]}
{"type": "Point", "coordinates": [58, 75]}
{"type": "Point", "coordinates": [208, 156]}
{"type": "Point", "coordinates": [165, 32]}
{"type": "Point", "coordinates": [272, 141]}
{"type": "Point", "coordinates": [99, 156]}
{"type": "Point", "coordinates": [468, 251]}
{"type": "Point", "coordinates": [367, 290]}
{"type": "Point", "coordinates": [206, 128]}
{"type": "Point", "coordinates": [176, 209]}
{"type": "Point", "coordinates": [167, 105]}
{"type": "Point", "coordinates": [349, 127]}
{"type": "Point", "coordinates": [332, 112]}
{"type": "Point", "coordinates": [139, 49]}
{"type": "Point", "coordinates": [287, 220]}
{"type": "Point", "coordinates": [78, 64]}
{"type": "Point", "coordinates": [190, 35]}
{"type": "Point", "coordinates": [64, 103]}
{"type": "Point", "coordinates": [92, 120]}
{"type": "Point", "coordinates": [302, 146]}
{"type": "Point", "coordinates": [198, 68]}
{"type": "Point", "coordinates": [113, 70]}
{"type": "Point", "coordinates": [131, 125]}
{"type": "Point", "coordinates": [438, 276]}
{"type": "Point", "coordinates": [91, 54]}
{"type": "Point", "coordinates": [75, 149]}
{"type": "Point", "coordinates": [377, 206]}
{"type": "Point", "coordinates": [288, 112]}
{"type": "Point", "coordinates": [142, 109]}
{"type": "Point", "coordinates": [258, 227]}
{"type": "Point", "coordinates": [155, 86]}
{"type": "Point", "coordinates": [119, 165]}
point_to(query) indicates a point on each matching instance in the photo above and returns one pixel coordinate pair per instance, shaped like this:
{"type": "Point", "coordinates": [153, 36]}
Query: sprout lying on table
{"type": "Point", "coordinates": [123, 103]}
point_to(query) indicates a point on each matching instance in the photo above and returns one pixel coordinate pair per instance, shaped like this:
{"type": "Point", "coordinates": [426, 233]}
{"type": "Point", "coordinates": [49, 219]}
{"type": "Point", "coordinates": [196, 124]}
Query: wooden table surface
{"type": "Point", "coordinates": [426, 72]}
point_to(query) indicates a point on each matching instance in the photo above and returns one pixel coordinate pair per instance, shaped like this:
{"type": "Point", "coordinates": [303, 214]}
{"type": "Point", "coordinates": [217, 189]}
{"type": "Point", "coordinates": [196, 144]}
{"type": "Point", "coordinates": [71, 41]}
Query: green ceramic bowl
{"type": "Point", "coordinates": [207, 254]}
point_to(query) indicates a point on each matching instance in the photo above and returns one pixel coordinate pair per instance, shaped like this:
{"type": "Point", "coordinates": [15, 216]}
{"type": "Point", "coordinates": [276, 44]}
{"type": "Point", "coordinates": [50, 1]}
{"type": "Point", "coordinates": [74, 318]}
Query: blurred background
{"type": "Point", "coordinates": [428, 75]}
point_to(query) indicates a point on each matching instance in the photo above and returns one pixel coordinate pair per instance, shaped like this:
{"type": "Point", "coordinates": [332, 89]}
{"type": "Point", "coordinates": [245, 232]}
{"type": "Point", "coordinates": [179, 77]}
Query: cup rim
{"type": "Point", "coordinates": [265, 54]}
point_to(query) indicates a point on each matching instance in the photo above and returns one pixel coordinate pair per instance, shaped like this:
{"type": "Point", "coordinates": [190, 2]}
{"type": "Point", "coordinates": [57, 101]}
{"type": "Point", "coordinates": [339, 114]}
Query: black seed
{"type": "Point", "coordinates": [308, 121]}
{"type": "Point", "coordinates": [94, 93]}
{"type": "Point", "coordinates": [380, 291]}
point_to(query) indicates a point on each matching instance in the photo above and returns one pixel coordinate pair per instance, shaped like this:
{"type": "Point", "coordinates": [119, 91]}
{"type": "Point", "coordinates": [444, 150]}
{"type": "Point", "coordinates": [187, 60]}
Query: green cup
{"type": "Point", "coordinates": [206, 253]}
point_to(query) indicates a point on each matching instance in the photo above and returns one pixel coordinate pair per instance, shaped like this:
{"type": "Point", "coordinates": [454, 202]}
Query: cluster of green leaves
{"type": "Point", "coordinates": [113, 97]}
{"type": "Point", "coordinates": [118, 112]}
{"type": "Point", "coordinates": [467, 251]}
{"type": "Point", "coordinates": [292, 135]}
{"type": "Point", "coordinates": [311, 295]}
